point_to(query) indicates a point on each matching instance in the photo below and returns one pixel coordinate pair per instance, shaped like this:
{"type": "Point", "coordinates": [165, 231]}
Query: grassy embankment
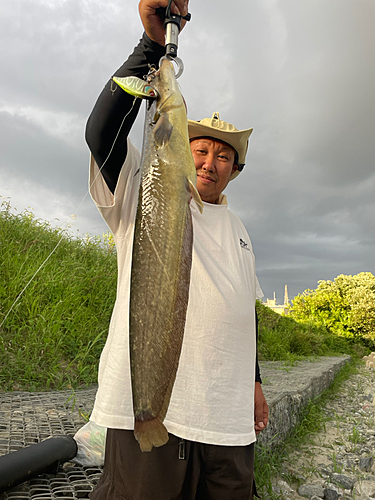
{"type": "Point", "coordinates": [53, 337]}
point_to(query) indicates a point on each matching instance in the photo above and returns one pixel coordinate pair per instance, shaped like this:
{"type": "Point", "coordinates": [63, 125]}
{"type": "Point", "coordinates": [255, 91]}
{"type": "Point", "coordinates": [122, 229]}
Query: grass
{"type": "Point", "coordinates": [281, 338]}
{"type": "Point", "coordinates": [356, 437]}
{"type": "Point", "coordinates": [53, 333]}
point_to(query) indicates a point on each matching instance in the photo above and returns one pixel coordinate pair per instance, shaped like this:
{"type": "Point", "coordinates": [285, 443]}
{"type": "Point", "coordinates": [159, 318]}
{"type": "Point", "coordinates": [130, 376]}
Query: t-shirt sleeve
{"type": "Point", "coordinates": [117, 209]}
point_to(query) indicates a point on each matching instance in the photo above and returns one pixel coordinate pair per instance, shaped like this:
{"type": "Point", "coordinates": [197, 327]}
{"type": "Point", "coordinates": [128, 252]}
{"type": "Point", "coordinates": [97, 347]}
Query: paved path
{"type": "Point", "coordinates": [27, 418]}
{"type": "Point", "coordinates": [289, 388]}
{"type": "Point", "coordinates": [337, 462]}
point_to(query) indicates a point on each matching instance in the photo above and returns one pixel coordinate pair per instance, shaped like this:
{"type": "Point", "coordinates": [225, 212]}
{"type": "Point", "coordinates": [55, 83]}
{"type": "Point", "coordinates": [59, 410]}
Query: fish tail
{"type": "Point", "coordinates": [150, 433]}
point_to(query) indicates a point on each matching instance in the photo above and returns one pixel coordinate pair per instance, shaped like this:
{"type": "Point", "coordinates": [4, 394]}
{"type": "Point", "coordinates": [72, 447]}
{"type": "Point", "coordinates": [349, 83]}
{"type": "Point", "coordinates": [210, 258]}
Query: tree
{"type": "Point", "coordinates": [346, 306]}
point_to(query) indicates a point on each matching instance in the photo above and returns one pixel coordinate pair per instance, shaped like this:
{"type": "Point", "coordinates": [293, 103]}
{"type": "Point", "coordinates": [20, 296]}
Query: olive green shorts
{"type": "Point", "coordinates": [179, 470]}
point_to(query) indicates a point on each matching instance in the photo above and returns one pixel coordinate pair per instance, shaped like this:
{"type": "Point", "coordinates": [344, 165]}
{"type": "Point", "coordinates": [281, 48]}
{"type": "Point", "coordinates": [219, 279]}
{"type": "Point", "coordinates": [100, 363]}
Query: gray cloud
{"type": "Point", "coordinates": [301, 73]}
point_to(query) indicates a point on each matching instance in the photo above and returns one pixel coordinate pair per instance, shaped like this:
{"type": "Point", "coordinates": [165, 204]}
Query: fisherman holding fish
{"type": "Point", "coordinates": [179, 383]}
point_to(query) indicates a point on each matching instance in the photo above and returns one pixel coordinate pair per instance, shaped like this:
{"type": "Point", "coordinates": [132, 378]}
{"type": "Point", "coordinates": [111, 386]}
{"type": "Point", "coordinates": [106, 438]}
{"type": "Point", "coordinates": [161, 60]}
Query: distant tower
{"type": "Point", "coordinates": [286, 299]}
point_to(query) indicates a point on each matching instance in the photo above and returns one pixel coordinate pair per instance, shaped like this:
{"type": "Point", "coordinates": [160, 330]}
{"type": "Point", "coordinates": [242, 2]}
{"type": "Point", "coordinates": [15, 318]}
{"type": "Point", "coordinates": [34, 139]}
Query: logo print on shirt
{"type": "Point", "coordinates": [244, 245]}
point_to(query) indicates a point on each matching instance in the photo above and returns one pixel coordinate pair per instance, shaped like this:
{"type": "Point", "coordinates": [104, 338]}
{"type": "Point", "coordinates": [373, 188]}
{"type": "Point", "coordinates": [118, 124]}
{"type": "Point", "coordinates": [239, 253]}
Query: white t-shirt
{"type": "Point", "coordinates": [213, 395]}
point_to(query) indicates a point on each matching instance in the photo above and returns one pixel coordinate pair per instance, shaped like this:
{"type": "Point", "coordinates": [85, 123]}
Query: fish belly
{"type": "Point", "coordinates": [160, 280]}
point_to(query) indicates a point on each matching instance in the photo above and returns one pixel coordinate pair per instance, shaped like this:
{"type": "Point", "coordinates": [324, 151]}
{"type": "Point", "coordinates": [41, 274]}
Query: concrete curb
{"type": "Point", "coordinates": [289, 389]}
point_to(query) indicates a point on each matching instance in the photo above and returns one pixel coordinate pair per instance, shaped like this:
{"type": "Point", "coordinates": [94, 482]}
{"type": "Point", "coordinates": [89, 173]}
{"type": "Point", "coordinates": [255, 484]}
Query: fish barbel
{"type": "Point", "coordinates": [162, 253]}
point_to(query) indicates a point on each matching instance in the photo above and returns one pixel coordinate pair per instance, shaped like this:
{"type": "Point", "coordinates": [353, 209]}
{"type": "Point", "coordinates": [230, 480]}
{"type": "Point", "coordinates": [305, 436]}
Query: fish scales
{"type": "Point", "coordinates": [161, 262]}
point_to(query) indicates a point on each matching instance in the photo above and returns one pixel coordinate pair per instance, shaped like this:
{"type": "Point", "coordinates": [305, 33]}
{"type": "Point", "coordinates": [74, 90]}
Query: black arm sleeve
{"type": "Point", "coordinates": [112, 106]}
{"type": "Point", "coordinates": [257, 370]}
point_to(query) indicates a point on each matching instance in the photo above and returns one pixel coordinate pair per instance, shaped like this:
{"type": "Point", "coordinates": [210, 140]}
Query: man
{"type": "Point", "coordinates": [215, 401]}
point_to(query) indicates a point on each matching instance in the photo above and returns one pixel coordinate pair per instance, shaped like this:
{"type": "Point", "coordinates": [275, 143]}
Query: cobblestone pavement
{"type": "Point", "coordinates": [339, 461]}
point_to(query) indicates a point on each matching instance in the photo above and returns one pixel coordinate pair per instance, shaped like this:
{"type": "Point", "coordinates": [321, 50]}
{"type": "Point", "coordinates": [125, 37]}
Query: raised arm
{"type": "Point", "coordinates": [113, 105]}
{"type": "Point", "coordinates": [107, 128]}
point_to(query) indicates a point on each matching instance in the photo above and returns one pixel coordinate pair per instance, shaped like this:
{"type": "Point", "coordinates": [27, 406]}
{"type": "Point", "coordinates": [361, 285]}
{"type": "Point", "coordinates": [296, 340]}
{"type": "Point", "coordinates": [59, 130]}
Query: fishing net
{"type": "Point", "coordinates": [28, 418]}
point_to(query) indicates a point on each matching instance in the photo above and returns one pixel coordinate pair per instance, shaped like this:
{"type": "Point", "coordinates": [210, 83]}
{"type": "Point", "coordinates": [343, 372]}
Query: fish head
{"type": "Point", "coordinates": [164, 82]}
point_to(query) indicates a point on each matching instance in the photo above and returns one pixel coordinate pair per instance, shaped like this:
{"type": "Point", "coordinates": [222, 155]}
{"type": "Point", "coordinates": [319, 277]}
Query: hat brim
{"type": "Point", "coordinates": [237, 139]}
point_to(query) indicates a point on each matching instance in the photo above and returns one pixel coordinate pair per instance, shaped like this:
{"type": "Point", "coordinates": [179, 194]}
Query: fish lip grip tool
{"type": "Point", "coordinates": [172, 25]}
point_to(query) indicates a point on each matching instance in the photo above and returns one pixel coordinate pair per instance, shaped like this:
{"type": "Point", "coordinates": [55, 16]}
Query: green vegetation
{"type": "Point", "coordinates": [345, 306]}
{"type": "Point", "coordinates": [283, 338]}
{"type": "Point", "coordinates": [53, 332]}
{"type": "Point", "coordinates": [56, 331]}
{"type": "Point", "coordinates": [356, 437]}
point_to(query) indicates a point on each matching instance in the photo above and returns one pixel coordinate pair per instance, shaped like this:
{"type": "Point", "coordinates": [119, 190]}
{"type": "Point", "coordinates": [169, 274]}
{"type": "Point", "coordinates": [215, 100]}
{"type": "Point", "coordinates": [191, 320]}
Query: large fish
{"type": "Point", "coordinates": [162, 252]}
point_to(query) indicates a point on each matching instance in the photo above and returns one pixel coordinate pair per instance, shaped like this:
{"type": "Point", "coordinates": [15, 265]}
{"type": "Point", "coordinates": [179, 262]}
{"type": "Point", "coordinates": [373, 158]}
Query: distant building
{"type": "Point", "coordinates": [279, 308]}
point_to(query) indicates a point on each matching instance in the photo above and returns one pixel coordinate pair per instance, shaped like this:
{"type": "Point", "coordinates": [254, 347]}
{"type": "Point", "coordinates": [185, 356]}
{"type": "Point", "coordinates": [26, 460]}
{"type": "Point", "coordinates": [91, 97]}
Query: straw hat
{"type": "Point", "coordinates": [223, 131]}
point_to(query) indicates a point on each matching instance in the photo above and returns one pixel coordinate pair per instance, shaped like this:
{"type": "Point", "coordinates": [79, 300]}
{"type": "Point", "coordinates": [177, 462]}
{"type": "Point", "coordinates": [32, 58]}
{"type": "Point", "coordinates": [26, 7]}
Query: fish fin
{"type": "Point", "coordinates": [150, 433]}
{"type": "Point", "coordinates": [135, 86]}
{"type": "Point", "coordinates": [196, 196]}
{"type": "Point", "coordinates": [156, 116]}
{"type": "Point", "coordinates": [163, 130]}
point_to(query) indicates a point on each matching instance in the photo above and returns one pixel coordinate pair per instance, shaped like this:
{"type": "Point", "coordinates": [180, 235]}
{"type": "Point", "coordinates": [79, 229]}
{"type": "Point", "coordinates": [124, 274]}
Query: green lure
{"type": "Point", "coordinates": [135, 86]}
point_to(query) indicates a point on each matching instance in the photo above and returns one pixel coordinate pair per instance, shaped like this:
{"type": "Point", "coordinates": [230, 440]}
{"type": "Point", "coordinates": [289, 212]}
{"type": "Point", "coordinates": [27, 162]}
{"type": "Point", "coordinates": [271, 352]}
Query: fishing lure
{"type": "Point", "coordinates": [136, 87]}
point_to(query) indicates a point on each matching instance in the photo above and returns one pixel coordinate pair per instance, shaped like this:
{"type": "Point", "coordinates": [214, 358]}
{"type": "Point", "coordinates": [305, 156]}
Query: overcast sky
{"type": "Point", "coordinates": [302, 73]}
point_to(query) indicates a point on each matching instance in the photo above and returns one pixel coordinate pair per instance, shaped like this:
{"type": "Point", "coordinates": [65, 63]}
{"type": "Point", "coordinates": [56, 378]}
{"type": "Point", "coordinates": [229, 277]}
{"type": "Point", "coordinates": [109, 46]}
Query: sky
{"type": "Point", "coordinates": [301, 73]}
